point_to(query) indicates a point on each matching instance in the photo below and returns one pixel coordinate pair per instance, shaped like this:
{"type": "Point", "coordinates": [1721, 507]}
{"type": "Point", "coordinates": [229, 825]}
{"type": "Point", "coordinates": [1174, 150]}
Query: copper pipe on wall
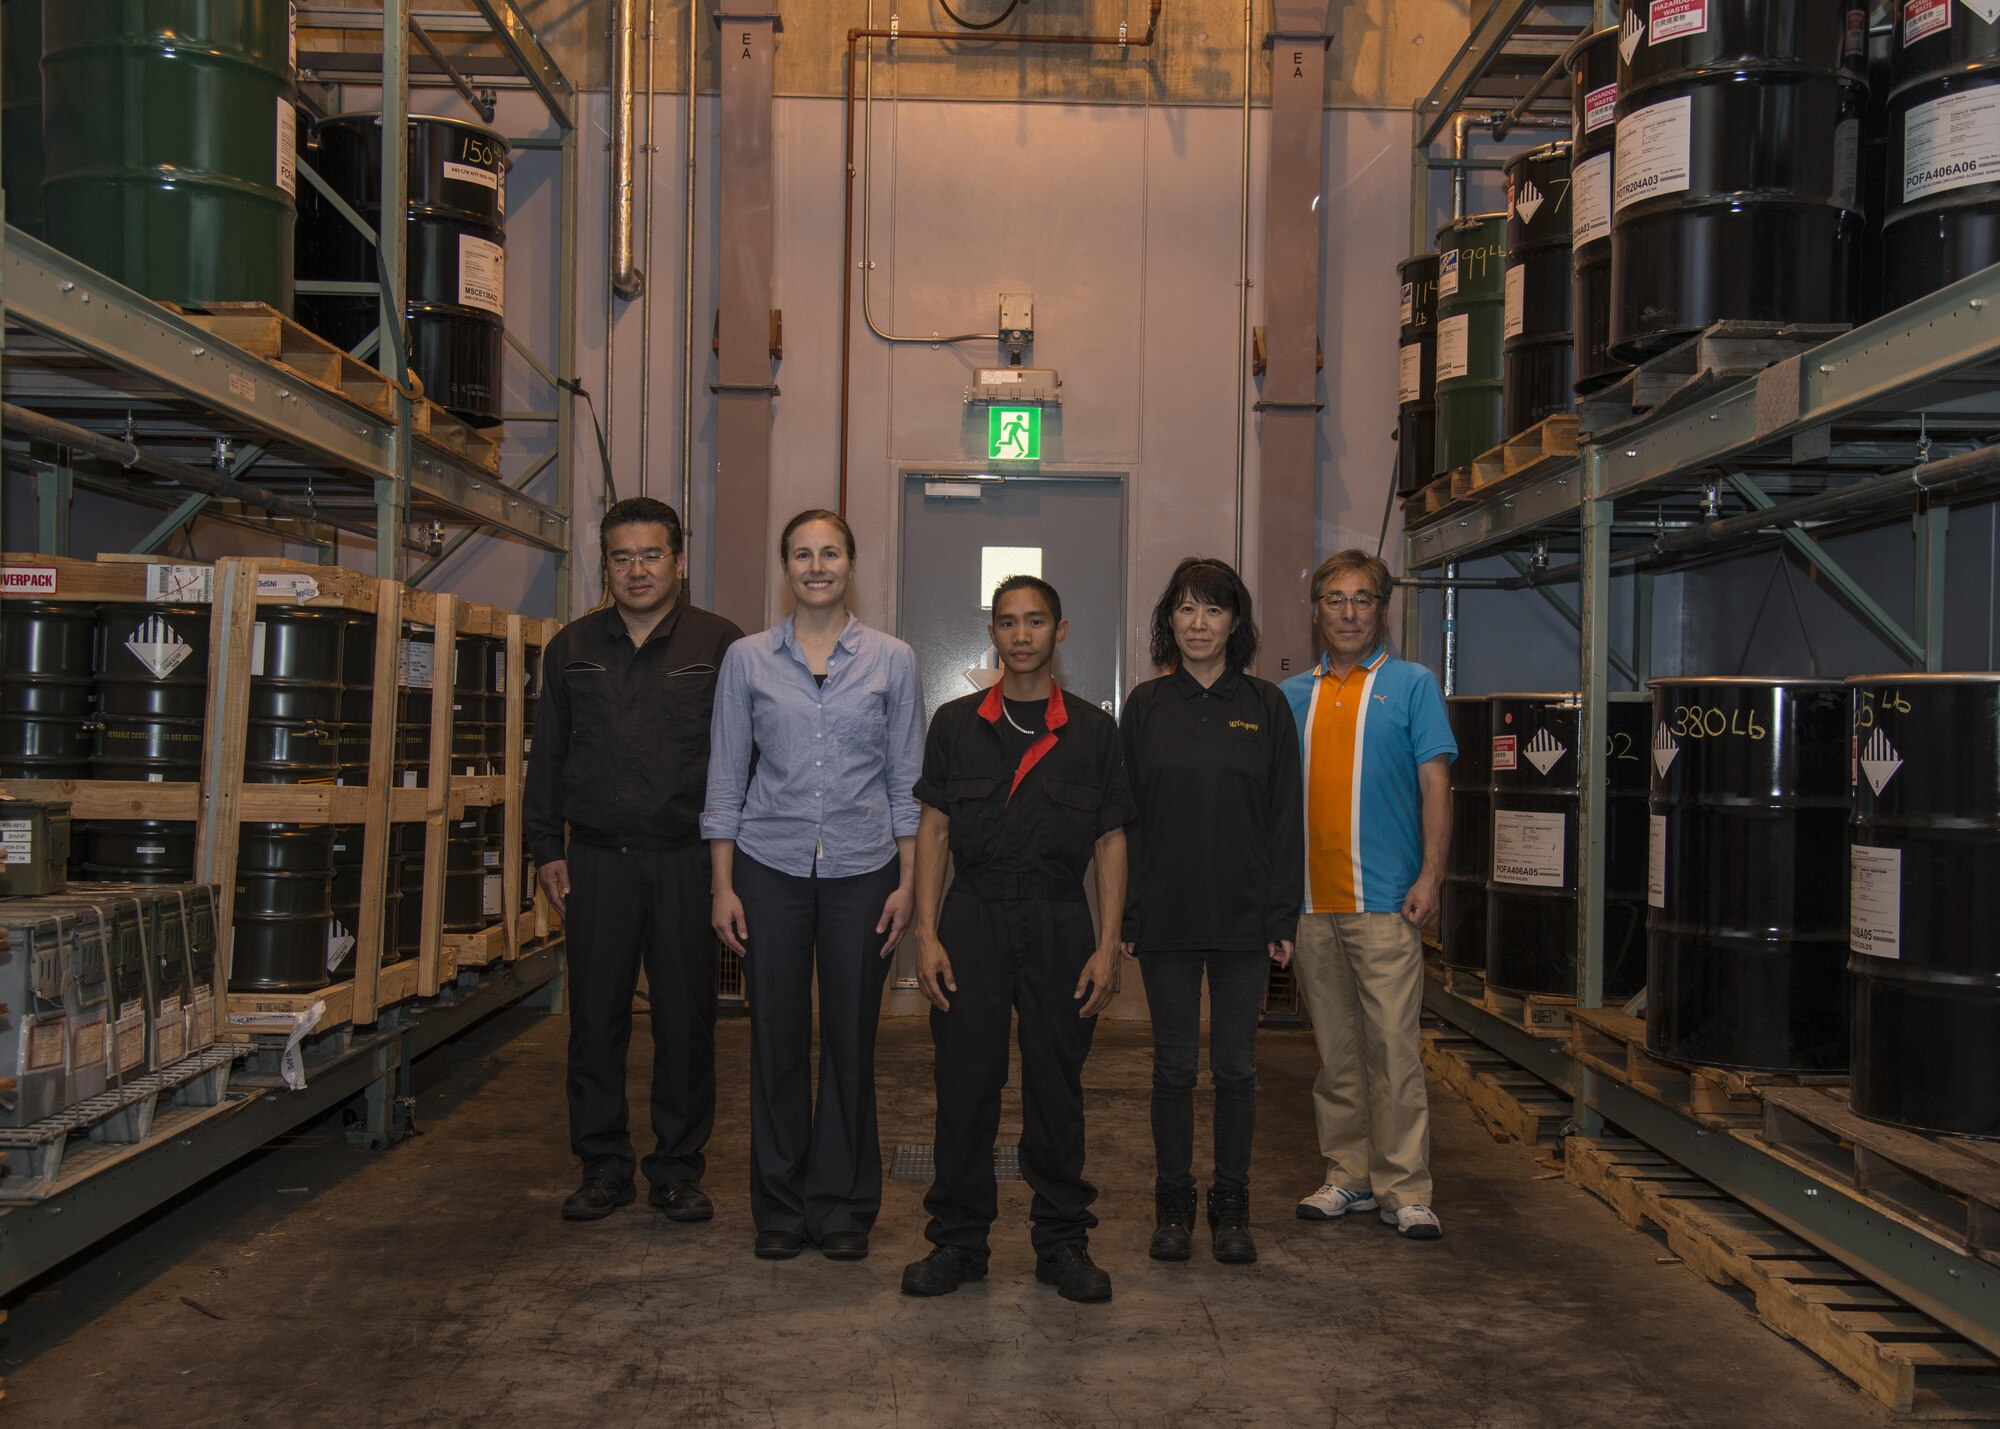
{"type": "Point", "coordinates": [854, 37]}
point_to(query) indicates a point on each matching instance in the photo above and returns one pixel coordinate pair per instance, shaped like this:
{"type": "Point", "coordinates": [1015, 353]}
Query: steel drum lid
{"type": "Point", "coordinates": [1924, 865]}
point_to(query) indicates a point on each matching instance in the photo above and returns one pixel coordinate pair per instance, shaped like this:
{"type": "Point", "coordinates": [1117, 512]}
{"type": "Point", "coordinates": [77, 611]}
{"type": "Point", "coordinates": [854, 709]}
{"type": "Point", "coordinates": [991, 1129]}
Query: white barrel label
{"type": "Point", "coordinates": [1590, 217]}
{"type": "Point", "coordinates": [1409, 305]}
{"type": "Point", "coordinates": [1924, 17]}
{"type": "Point", "coordinates": [482, 274]}
{"type": "Point", "coordinates": [1951, 142]}
{"type": "Point", "coordinates": [1410, 372]}
{"type": "Point", "coordinates": [1875, 901]}
{"type": "Point", "coordinates": [1652, 155]}
{"type": "Point", "coordinates": [471, 174]}
{"type": "Point", "coordinates": [1600, 107]}
{"type": "Point", "coordinates": [1528, 848]}
{"type": "Point", "coordinates": [288, 147]}
{"type": "Point", "coordinates": [1656, 861]}
{"type": "Point", "coordinates": [1676, 19]}
{"type": "Point", "coordinates": [1517, 296]}
{"type": "Point", "coordinates": [1447, 272]}
{"type": "Point", "coordinates": [1453, 343]}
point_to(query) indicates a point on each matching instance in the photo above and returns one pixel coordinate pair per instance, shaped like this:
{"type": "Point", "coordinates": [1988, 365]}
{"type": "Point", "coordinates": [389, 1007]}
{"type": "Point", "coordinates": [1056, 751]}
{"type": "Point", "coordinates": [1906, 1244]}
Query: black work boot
{"type": "Point", "coordinates": [942, 1271]}
{"type": "Point", "coordinates": [1229, 1222]}
{"type": "Point", "coordinates": [1173, 1223]}
{"type": "Point", "coordinates": [1074, 1274]}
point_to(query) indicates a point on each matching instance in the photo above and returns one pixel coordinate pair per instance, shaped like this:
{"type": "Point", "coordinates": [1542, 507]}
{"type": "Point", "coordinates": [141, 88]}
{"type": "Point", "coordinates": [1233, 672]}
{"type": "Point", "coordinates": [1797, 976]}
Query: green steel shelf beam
{"type": "Point", "coordinates": [524, 47]}
{"type": "Point", "coordinates": [1548, 500]}
{"type": "Point", "coordinates": [59, 297]}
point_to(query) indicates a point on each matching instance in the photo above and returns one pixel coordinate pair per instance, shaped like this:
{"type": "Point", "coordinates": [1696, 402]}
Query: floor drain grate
{"type": "Point", "coordinates": [917, 1161]}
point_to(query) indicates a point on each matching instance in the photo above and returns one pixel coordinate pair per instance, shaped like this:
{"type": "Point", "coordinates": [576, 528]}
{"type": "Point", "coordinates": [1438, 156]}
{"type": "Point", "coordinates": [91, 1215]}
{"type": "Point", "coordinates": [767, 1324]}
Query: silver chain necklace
{"type": "Point", "coordinates": [1011, 720]}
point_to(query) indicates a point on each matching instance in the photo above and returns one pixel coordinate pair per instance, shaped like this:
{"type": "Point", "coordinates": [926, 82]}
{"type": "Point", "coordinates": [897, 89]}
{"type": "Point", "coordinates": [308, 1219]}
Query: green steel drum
{"type": "Point", "coordinates": [1472, 301]}
{"type": "Point", "coordinates": [170, 147]}
{"type": "Point", "coordinates": [21, 112]}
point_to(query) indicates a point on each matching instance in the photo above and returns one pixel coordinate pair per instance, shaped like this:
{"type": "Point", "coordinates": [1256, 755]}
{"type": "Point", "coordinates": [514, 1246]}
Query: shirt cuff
{"type": "Point", "coordinates": [719, 825]}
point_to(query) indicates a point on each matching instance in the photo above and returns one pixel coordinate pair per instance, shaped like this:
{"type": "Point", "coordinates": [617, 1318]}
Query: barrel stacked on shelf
{"type": "Point", "coordinates": [1736, 178]}
{"type": "Point", "coordinates": [1593, 70]}
{"type": "Point", "coordinates": [1472, 298]}
{"type": "Point", "coordinates": [1462, 911]}
{"type": "Point", "coordinates": [1943, 200]}
{"type": "Point", "coordinates": [1538, 368]}
{"type": "Point", "coordinates": [1416, 374]}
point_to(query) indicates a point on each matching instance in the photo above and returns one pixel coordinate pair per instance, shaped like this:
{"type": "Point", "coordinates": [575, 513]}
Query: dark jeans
{"type": "Point", "coordinates": [1009, 954]}
{"type": "Point", "coordinates": [814, 1170]}
{"type": "Point", "coordinates": [1235, 998]}
{"type": "Point", "coordinates": [649, 905]}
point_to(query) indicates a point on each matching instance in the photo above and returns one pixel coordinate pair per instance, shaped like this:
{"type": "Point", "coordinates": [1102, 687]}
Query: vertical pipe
{"type": "Point", "coordinates": [626, 279]}
{"type": "Point", "coordinates": [1594, 587]}
{"type": "Point", "coordinates": [1243, 287]}
{"type": "Point", "coordinates": [566, 365]}
{"type": "Point", "coordinates": [392, 495]}
{"type": "Point", "coordinates": [687, 275]}
{"type": "Point", "coordinates": [1450, 661]}
{"type": "Point", "coordinates": [1461, 177]}
{"type": "Point", "coordinates": [646, 249]}
{"type": "Point", "coordinates": [1933, 522]}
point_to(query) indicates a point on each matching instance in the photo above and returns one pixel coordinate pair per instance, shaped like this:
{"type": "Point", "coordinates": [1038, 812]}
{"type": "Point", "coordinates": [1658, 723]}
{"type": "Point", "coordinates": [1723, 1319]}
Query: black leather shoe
{"type": "Point", "coordinates": [942, 1271]}
{"type": "Point", "coordinates": [1229, 1225]}
{"type": "Point", "coordinates": [778, 1245]}
{"type": "Point", "coordinates": [1075, 1276]}
{"type": "Point", "coordinates": [1173, 1224]}
{"type": "Point", "coordinates": [844, 1245]}
{"type": "Point", "coordinates": [597, 1198]}
{"type": "Point", "coordinates": [682, 1201]}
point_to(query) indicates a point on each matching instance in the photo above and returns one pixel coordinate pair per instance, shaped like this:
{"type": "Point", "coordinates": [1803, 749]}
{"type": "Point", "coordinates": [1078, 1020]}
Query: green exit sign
{"type": "Point", "coordinates": [1013, 433]}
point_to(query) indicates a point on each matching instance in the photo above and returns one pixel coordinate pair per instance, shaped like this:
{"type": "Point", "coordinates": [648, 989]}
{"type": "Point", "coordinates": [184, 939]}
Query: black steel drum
{"type": "Point", "coordinates": [295, 664]}
{"type": "Point", "coordinates": [456, 251]}
{"type": "Point", "coordinates": [284, 898]}
{"type": "Point", "coordinates": [1747, 930]}
{"type": "Point", "coordinates": [1416, 375]}
{"type": "Point", "coordinates": [465, 874]}
{"type": "Point", "coordinates": [45, 689]}
{"type": "Point", "coordinates": [1735, 194]}
{"type": "Point", "coordinates": [1531, 891]}
{"type": "Point", "coordinates": [1871, 301]}
{"type": "Point", "coordinates": [1924, 899]}
{"type": "Point", "coordinates": [137, 851]}
{"type": "Point", "coordinates": [1593, 71]}
{"type": "Point", "coordinates": [152, 692]}
{"type": "Point", "coordinates": [1462, 918]}
{"type": "Point", "coordinates": [1537, 366]}
{"type": "Point", "coordinates": [1943, 212]}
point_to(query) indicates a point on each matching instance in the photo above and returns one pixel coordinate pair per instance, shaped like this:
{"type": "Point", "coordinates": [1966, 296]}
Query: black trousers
{"type": "Point", "coordinates": [625, 907]}
{"type": "Point", "coordinates": [814, 1169]}
{"type": "Point", "coordinates": [1006, 955]}
{"type": "Point", "coordinates": [1235, 998]}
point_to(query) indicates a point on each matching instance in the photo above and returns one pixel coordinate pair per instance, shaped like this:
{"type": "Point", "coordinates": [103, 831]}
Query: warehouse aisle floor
{"type": "Point", "coordinates": [324, 1284]}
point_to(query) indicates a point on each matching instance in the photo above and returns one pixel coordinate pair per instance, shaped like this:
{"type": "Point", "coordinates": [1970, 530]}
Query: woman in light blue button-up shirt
{"type": "Point", "coordinates": [815, 748]}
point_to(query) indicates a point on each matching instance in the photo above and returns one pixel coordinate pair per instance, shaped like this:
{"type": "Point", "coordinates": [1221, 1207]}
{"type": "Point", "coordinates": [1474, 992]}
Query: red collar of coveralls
{"type": "Point", "coordinates": [991, 709]}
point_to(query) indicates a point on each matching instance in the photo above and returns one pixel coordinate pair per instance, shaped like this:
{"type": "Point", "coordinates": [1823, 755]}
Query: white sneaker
{"type": "Point", "coordinates": [1414, 1222]}
{"type": "Point", "coordinates": [1331, 1202]}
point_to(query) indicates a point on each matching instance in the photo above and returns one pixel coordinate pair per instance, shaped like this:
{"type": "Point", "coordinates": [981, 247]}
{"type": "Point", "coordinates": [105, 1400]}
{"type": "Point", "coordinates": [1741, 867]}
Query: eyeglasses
{"type": "Point", "coordinates": [1359, 604]}
{"type": "Point", "coordinates": [626, 560]}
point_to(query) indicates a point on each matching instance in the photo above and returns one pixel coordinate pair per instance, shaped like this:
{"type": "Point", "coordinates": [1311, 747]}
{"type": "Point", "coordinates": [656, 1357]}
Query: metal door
{"type": "Point", "coordinates": [960, 532]}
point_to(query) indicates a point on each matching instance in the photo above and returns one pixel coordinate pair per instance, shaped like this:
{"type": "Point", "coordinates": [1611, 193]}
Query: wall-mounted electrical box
{"type": "Point", "coordinates": [1039, 385]}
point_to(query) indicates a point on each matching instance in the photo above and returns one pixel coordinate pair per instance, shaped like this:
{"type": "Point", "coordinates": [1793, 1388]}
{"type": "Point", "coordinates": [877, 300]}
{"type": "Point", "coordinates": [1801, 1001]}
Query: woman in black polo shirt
{"type": "Point", "coordinates": [1217, 867]}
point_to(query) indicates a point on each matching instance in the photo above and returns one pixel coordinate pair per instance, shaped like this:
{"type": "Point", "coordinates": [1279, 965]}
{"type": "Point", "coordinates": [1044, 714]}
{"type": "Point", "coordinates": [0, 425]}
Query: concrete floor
{"type": "Point", "coordinates": [434, 1284]}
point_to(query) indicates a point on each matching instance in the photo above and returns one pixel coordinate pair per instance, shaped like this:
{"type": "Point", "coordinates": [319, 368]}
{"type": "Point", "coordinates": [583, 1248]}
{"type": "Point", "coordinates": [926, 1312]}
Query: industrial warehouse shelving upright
{"type": "Point", "coordinates": [220, 413]}
{"type": "Point", "coordinates": [1876, 426]}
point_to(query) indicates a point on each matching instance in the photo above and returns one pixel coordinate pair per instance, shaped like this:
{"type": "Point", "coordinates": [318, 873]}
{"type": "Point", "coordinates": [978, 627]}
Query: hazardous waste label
{"type": "Point", "coordinates": [1951, 142]}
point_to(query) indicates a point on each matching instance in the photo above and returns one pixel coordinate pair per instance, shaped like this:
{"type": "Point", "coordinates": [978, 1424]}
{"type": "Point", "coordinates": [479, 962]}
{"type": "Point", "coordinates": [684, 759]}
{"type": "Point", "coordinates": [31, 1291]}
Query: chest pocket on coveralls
{"type": "Point", "coordinates": [686, 698]}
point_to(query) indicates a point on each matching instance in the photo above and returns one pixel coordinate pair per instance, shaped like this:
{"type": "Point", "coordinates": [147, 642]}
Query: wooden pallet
{"type": "Point", "coordinates": [1615, 1044]}
{"type": "Point", "coordinates": [1948, 1185]}
{"type": "Point", "coordinates": [255, 1013]}
{"type": "Point", "coordinates": [482, 949]}
{"type": "Point", "coordinates": [1723, 354]}
{"type": "Point", "coordinates": [263, 331]}
{"type": "Point", "coordinates": [1905, 1361]}
{"type": "Point", "coordinates": [1508, 1101]}
{"type": "Point", "coordinates": [1547, 444]}
{"type": "Point", "coordinates": [433, 424]}
{"type": "Point", "coordinates": [1533, 1013]}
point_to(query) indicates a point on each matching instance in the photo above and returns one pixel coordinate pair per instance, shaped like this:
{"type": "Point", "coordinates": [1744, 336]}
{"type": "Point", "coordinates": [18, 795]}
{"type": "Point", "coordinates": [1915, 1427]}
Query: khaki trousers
{"type": "Point", "coordinates": [1362, 976]}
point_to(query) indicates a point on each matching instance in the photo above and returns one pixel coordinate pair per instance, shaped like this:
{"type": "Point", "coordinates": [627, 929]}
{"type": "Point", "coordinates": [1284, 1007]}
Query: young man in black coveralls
{"type": "Point", "coordinates": [1022, 786]}
{"type": "Point", "coordinates": [621, 758]}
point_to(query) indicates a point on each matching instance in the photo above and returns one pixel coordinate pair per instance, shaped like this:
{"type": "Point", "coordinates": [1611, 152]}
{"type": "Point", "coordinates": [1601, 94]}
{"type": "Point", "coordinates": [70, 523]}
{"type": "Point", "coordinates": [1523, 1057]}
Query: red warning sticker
{"type": "Point", "coordinates": [1503, 752]}
{"type": "Point", "coordinates": [1600, 107]}
{"type": "Point", "coordinates": [1924, 17]}
{"type": "Point", "coordinates": [1676, 19]}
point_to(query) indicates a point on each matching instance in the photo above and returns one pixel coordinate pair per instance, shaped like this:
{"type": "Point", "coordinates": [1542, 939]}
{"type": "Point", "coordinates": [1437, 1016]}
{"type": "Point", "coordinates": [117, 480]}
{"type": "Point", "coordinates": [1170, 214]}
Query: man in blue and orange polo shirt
{"type": "Point", "coordinates": [1376, 749]}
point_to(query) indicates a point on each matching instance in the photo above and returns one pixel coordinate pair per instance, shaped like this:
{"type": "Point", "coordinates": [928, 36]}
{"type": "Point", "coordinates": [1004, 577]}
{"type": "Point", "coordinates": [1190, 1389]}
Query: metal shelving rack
{"type": "Point", "coordinates": [1837, 437]}
{"type": "Point", "coordinates": [89, 352]}
{"type": "Point", "coordinates": [81, 348]}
